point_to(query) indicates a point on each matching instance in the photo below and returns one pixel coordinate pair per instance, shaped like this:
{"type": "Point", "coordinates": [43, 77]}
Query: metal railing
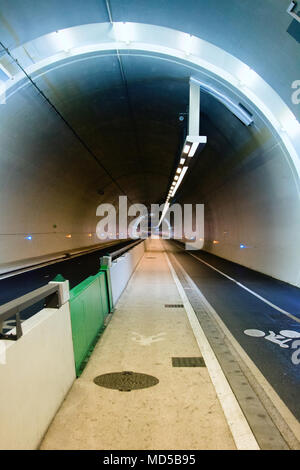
{"type": "Point", "coordinates": [49, 293]}
{"type": "Point", "coordinates": [13, 308]}
{"type": "Point", "coordinates": [119, 252]}
{"type": "Point", "coordinates": [58, 258]}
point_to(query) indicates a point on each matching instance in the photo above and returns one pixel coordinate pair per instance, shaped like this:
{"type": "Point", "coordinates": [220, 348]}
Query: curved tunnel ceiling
{"type": "Point", "coordinates": [125, 107]}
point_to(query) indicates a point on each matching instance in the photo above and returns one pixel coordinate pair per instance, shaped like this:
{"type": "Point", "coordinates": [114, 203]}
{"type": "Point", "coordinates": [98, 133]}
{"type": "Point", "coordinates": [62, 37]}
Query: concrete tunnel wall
{"type": "Point", "coordinates": [244, 176]}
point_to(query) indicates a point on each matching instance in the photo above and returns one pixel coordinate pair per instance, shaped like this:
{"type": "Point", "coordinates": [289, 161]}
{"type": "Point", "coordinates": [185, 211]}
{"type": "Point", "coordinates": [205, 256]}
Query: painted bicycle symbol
{"type": "Point", "coordinates": [147, 340]}
{"type": "Point", "coordinates": [285, 339]}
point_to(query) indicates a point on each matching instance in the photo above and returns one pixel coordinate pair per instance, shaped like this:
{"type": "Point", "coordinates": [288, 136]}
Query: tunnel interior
{"type": "Point", "coordinates": [88, 128]}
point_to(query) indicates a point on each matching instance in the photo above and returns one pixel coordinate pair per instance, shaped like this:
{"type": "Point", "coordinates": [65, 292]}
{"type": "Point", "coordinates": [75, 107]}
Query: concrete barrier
{"type": "Point", "coordinates": [122, 269]}
{"type": "Point", "coordinates": [36, 373]}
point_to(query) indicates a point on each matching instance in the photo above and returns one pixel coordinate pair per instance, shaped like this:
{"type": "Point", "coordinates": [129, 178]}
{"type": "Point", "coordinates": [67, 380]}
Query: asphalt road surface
{"type": "Point", "coordinates": [267, 328]}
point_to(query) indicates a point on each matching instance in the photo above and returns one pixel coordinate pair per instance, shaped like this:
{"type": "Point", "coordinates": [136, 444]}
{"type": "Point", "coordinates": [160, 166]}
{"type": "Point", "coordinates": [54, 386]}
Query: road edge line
{"type": "Point", "coordinates": [242, 286]}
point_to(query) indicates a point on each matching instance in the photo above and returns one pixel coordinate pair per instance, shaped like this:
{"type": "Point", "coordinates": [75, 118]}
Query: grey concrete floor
{"type": "Point", "coordinates": [181, 412]}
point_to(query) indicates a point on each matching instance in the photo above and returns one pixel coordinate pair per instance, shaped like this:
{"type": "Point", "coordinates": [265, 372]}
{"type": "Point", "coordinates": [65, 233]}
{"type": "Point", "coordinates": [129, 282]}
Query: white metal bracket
{"type": "Point", "coordinates": [291, 11]}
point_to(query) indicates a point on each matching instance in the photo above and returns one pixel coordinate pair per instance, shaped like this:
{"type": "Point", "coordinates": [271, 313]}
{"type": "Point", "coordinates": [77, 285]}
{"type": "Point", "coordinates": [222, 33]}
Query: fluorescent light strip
{"type": "Point", "coordinates": [178, 170]}
{"type": "Point", "coordinates": [193, 149]}
{"type": "Point", "coordinates": [182, 160]}
{"type": "Point", "coordinates": [186, 148]}
{"type": "Point", "coordinates": [167, 205]}
{"type": "Point", "coordinates": [180, 179]}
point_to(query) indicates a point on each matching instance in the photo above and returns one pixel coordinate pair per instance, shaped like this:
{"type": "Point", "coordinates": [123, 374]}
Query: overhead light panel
{"type": "Point", "coordinates": [193, 149]}
{"type": "Point", "coordinates": [179, 180]}
{"type": "Point", "coordinates": [194, 141]}
{"type": "Point", "coordinates": [191, 143]}
{"type": "Point", "coordinates": [165, 210]}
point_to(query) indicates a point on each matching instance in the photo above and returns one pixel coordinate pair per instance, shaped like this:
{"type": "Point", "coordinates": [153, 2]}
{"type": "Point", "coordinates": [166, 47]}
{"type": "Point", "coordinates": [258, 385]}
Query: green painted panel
{"type": "Point", "coordinates": [103, 294]}
{"type": "Point", "coordinates": [89, 305]}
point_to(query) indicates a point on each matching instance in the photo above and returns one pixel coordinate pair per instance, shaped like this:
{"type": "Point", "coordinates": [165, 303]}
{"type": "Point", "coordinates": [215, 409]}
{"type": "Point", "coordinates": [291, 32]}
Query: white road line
{"type": "Point", "coordinates": [240, 429]}
{"type": "Point", "coordinates": [290, 315]}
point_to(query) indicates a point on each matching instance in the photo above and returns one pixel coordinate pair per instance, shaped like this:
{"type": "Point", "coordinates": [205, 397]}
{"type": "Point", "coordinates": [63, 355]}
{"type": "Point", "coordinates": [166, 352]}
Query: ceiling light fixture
{"type": "Point", "coordinates": [191, 143]}
{"type": "Point", "coordinates": [179, 180]}
{"type": "Point", "coordinates": [165, 210]}
{"type": "Point", "coordinates": [195, 141]}
{"type": "Point", "coordinates": [193, 149]}
{"type": "Point", "coordinates": [186, 148]}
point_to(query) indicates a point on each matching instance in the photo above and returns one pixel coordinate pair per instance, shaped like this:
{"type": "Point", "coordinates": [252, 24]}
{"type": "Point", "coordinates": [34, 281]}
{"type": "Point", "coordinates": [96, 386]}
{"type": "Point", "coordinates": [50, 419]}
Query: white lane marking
{"type": "Point", "coordinates": [290, 333]}
{"type": "Point", "coordinates": [296, 354]}
{"type": "Point", "coordinates": [290, 315]}
{"type": "Point", "coordinates": [281, 407]}
{"type": "Point", "coordinates": [284, 337]}
{"type": "Point", "coordinates": [240, 429]}
{"type": "Point", "coordinates": [280, 339]}
{"type": "Point", "coordinates": [255, 333]}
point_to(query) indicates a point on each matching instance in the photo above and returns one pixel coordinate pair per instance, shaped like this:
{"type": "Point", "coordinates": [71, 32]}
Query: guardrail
{"type": "Point", "coordinates": [58, 258]}
{"type": "Point", "coordinates": [125, 248]}
{"type": "Point", "coordinates": [51, 294]}
{"type": "Point", "coordinates": [119, 269]}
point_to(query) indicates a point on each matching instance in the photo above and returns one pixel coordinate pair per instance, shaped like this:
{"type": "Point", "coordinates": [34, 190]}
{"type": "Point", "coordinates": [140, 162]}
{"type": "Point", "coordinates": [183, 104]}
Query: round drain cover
{"type": "Point", "coordinates": [125, 381]}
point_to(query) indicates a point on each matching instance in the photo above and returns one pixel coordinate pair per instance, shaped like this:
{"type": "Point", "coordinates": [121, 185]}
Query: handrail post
{"type": "Point", "coordinates": [63, 293]}
{"type": "Point", "coordinates": [105, 265]}
{"type": "Point", "coordinates": [58, 293]}
{"type": "Point", "coordinates": [105, 261]}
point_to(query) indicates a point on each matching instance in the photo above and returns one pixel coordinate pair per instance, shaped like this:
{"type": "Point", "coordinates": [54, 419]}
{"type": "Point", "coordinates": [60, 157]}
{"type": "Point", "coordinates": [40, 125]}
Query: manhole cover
{"type": "Point", "coordinates": [125, 381]}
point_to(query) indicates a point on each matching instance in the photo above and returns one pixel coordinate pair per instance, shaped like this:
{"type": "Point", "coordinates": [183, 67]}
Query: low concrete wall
{"type": "Point", "coordinates": [123, 268]}
{"type": "Point", "coordinates": [36, 373]}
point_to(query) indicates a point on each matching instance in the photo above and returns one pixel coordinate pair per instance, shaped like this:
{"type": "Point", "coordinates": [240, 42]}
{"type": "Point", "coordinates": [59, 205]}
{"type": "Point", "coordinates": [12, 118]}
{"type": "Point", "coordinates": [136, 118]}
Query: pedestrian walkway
{"type": "Point", "coordinates": [181, 412]}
